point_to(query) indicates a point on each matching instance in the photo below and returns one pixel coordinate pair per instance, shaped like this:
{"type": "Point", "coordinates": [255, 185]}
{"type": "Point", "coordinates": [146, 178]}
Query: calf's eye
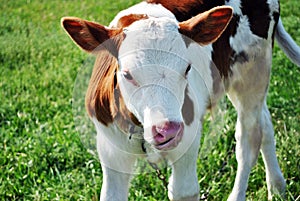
{"type": "Point", "coordinates": [187, 70]}
{"type": "Point", "coordinates": [127, 75]}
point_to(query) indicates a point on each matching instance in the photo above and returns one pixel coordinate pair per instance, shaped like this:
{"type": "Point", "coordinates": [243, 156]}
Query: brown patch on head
{"type": "Point", "coordinates": [127, 20]}
{"type": "Point", "coordinates": [99, 97]}
{"type": "Point", "coordinates": [103, 99]}
{"type": "Point", "coordinates": [187, 109]}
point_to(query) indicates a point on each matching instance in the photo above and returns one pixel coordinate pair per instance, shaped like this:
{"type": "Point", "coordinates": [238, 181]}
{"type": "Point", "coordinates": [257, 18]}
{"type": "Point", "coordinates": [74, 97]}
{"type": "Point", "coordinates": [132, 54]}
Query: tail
{"type": "Point", "coordinates": [287, 44]}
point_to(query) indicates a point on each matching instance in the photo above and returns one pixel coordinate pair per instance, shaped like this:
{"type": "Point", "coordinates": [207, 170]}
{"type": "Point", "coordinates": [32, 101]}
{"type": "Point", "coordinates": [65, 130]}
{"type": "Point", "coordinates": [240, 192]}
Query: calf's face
{"type": "Point", "coordinates": [153, 77]}
{"type": "Point", "coordinates": [152, 70]}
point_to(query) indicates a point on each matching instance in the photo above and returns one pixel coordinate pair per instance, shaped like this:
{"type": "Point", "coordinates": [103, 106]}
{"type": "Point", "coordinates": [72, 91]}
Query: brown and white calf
{"type": "Point", "coordinates": [160, 64]}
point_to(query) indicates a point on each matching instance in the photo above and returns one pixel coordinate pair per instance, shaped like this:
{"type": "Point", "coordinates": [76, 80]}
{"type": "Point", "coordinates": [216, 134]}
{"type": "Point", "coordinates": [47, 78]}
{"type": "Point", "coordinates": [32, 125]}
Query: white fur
{"type": "Point", "coordinates": [287, 44]}
{"type": "Point", "coordinates": [155, 54]}
{"type": "Point", "coordinates": [244, 40]}
{"type": "Point", "coordinates": [236, 5]}
{"type": "Point", "coordinates": [274, 7]}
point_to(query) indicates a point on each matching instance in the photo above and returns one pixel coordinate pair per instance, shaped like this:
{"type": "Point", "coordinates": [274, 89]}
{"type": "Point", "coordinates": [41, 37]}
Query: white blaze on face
{"type": "Point", "coordinates": [152, 76]}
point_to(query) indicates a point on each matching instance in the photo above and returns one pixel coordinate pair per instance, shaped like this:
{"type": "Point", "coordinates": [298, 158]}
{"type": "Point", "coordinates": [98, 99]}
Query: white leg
{"type": "Point", "coordinates": [248, 140]}
{"type": "Point", "coordinates": [117, 167]}
{"type": "Point", "coordinates": [183, 183]}
{"type": "Point", "coordinates": [275, 181]}
{"type": "Point", "coordinates": [247, 91]}
{"type": "Point", "coordinates": [115, 185]}
{"type": "Point", "coordinates": [117, 155]}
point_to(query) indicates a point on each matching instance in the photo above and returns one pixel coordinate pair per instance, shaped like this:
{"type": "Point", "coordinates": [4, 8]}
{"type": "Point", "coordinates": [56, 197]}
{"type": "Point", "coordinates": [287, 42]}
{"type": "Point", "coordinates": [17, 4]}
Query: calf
{"type": "Point", "coordinates": [160, 64]}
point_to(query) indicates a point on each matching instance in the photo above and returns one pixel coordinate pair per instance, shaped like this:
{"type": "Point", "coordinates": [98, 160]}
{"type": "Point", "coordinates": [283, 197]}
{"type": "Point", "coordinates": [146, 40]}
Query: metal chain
{"type": "Point", "coordinates": [158, 172]}
{"type": "Point", "coordinates": [160, 175]}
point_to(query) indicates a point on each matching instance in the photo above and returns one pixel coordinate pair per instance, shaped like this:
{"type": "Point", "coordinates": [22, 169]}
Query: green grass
{"type": "Point", "coordinates": [41, 154]}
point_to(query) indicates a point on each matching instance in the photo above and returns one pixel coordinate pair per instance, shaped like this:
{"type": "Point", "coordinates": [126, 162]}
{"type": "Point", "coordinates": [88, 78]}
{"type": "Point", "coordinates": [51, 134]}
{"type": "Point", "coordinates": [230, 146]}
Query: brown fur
{"type": "Point", "coordinates": [185, 9]}
{"type": "Point", "coordinates": [103, 99]}
{"type": "Point", "coordinates": [223, 53]}
{"type": "Point", "coordinates": [87, 35]}
{"type": "Point", "coordinates": [127, 20]}
{"type": "Point", "coordinates": [100, 101]}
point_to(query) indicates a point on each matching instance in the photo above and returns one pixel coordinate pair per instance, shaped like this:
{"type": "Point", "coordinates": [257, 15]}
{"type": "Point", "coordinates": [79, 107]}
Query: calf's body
{"type": "Point", "coordinates": [160, 65]}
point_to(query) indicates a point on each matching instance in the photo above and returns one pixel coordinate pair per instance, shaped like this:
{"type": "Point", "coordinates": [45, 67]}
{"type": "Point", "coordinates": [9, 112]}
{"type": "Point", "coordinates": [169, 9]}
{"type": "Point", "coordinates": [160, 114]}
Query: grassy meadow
{"type": "Point", "coordinates": [41, 154]}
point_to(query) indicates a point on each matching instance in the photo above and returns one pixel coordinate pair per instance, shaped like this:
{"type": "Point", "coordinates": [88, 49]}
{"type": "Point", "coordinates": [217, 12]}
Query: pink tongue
{"type": "Point", "coordinates": [166, 132]}
{"type": "Point", "coordinates": [160, 138]}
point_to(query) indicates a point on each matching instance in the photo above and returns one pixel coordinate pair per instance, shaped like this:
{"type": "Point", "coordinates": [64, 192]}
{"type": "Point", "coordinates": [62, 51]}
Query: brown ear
{"type": "Point", "coordinates": [207, 27]}
{"type": "Point", "coordinates": [88, 35]}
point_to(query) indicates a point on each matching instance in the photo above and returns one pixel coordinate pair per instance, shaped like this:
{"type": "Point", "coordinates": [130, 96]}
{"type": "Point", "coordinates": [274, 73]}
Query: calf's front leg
{"type": "Point", "coordinates": [117, 157]}
{"type": "Point", "coordinates": [117, 171]}
{"type": "Point", "coordinates": [183, 183]}
{"type": "Point", "coordinates": [115, 185]}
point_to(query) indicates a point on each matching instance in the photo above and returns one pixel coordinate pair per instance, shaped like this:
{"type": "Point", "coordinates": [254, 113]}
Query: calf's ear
{"type": "Point", "coordinates": [89, 35]}
{"type": "Point", "coordinates": [207, 27]}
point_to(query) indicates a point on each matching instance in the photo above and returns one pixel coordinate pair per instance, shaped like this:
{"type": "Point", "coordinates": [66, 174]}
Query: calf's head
{"type": "Point", "coordinates": [141, 70]}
